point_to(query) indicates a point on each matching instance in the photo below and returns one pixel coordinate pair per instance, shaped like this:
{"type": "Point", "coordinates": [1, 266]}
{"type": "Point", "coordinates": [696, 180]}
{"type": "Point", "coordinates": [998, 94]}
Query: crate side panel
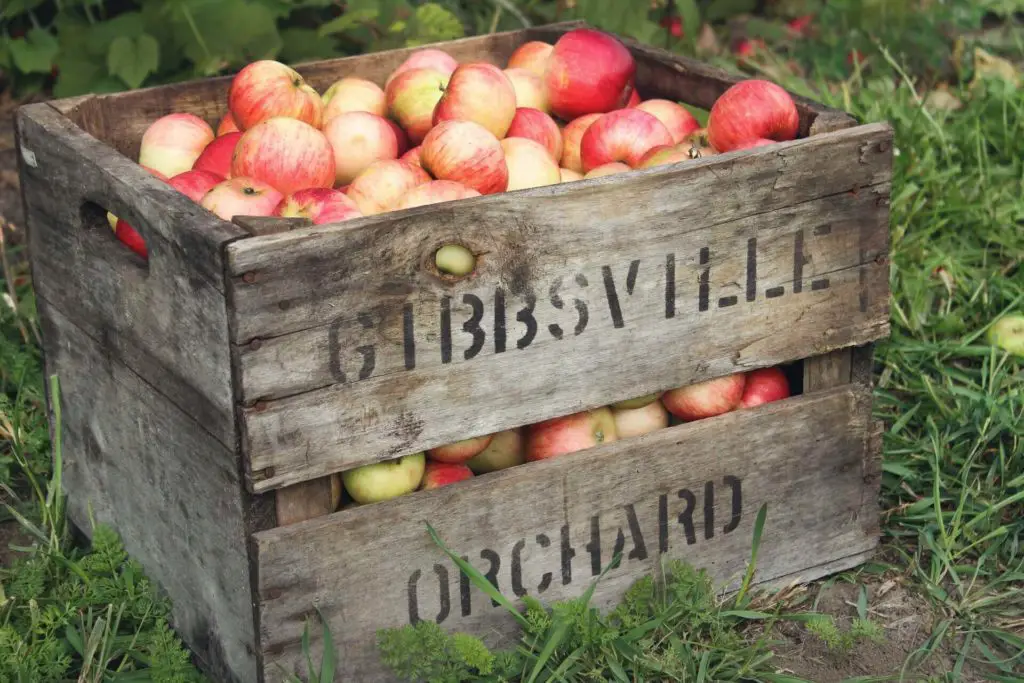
{"type": "Point", "coordinates": [138, 464]}
{"type": "Point", "coordinates": [547, 529]}
{"type": "Point", "coordinates": [166, 320]}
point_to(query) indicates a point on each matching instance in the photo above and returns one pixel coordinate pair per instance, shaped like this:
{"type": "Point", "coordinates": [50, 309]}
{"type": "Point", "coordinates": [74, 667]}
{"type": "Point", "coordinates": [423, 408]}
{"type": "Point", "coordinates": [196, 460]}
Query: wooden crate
{"type": "Point", "coordinates": [211, 395]}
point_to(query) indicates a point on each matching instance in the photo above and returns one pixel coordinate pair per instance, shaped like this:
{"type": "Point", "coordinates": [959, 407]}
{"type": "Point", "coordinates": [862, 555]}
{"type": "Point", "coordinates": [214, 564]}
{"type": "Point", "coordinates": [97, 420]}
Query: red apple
{"type": "Point", "coordinates": [529, 88]}
{"type": "Point", "coordinates": [266, 89]}
{"type": "Point", "coordinates": [353, 94]}
{"type": "Point", "coordinates": [318, 204]}
{"type": "Point", "coordinates": [624, 135]}
{"type": "Point", "coordinates": [529, 164]}
{"type": "Point", "coordinates": [435, 192]}
{"type": "Point", "coordinates": [131, 238]}
{"type": "Point", "coordinates": [676, 118]}
{"type": "Point", "coordinates": [706, 399]}
{"type": "Point", "coordinates": [172, 143]}
{"type": "Point", "coordinates": [481, 93]}
{"type": "Point", "coordinates": [195, 184]}
{"type": "Point", "coordinates": [750, 144]}
{"type": "Point", "coordinates": [535, 125]}
{"type": "Point", "coordinates": [636, 421]}
{"type": "Point", "coordinates": [216, 158]}
{"type": "Point", "coordinates": [467, 153]}
{"type": "Point", "coordinates": [749, 110]}
{"type": "Point", "coordinates": [664, 154]}
{"type": "Point", "coordinates": [532, 56]}
{"type": "Point", "coordinates": [460, 451]}
{"type": "Point", "coordinates": [504, 451]}
{"type": "Point", "coordinates": [242, 196]}
{"type": "Point", "coordinates": [589, 72]}
{"type": "Point", "coordinates": [227, 125]}
{"type": "Point", "coordinates": [383, 185]}
{"type": "Point", "coordinates": [572, 135]}
{"type": "Point", "coordinates": [638, 402]}
{"type": "Point", "coordinates": [358, 139]}
{"type": "Point", "coordinates": [412, 97]}
{"type": "Point", "coordinates": [438, 474]}
{"type": "Point", "coordinates": [610, 168]}
{"type": "Point", "coordinates": [569, 176]}
{"type": "Point", "coordinates": [412, 156]}
{"type": "Point", "coordinates": [634, 100]}
{"type": "Point", "coordinates": [287, 153]}
{"type": "Point", "coordinates": [400, 136]}
{"type": "Point", "coordinates": [764, 386]}
{"type": "Point", "coordinates": [426, 58]}
{"type": "Point", "coordinates": [570, 433]}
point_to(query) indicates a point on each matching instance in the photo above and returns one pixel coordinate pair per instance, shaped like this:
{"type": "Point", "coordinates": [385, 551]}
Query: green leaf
{"type": "Point", "coordinates": [13, 8]}
{"type": "Point", "coordinates": [433, 23]}
{"type": "Point", "coordinates": [348, 21]}
{"type": "Point", "coordinates": [302, 44]}
{"type": "Point", "coordinates": [132, 59]}
{"type": "Point", "coordinates": [199, 29]}
{"type": "Point", "coordinates": [720, 10]}
{"type": "Point", "coordinates": [103, 33]}
{"type": "Point", "coordinates": [690, 14]}
{"type": "Point", "coordinates": [35, 52]}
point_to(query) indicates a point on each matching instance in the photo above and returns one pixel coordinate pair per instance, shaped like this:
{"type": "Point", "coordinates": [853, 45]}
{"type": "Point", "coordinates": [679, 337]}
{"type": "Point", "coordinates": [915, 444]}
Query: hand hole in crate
{"type": "Point", "coordinates": [120, 239]}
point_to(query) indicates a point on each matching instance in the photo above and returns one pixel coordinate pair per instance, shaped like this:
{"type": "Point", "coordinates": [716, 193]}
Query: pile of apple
{"type": "Point", "coordinates": [562, 435]}
{"type": "Point", "coordinates": [441, 131]}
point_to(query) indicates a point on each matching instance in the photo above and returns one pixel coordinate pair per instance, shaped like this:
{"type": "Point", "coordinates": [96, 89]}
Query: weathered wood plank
{"type": "Point", "coordinates": [137, 463]}
{"type": "Point", "coordinates": [689, 492]}
{"type": "Point", "coordinates": [661, 73]}
{"type": "Point", "coordinates": [308, 500]}
{"type": "Point", "coordinates": [428, 386]}
{"type": "Point", "coordinates": [167, 320]}
{"type": "Point", "coordinates": [828, 370]}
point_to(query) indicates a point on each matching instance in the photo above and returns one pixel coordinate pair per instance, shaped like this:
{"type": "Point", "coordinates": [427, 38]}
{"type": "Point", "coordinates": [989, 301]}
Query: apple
{"type": "Point", "coordinates": [358, 139]}
{"type": "Point", "coordinates": [706, 399]}
{"type": "Point", "coordinates": [131, 238]}
{"type": "Point", "coordinates": [318, 204]}
{"type": "Point", "coordinates": [242, 196]}
{"type": "Point", "coordinates": [676, 118]}
{"type": "Point", "coordinates": [588, 72]}
{"type": "Point", "coordinates": [481, 93]}
{"type": "Point", "coordinates": [227, 125]}
{"type": "Point", "coordinates": [216, 158]}
{"type": "Point", "coordinates": [572, 135]}
{"type": "Point", "coordinates": [172, 143]}
{"type": "Point", "coordinates": [435, 192]}
{"type": "Point", "coordinates": [460, 451]}
{"type": "Point", "coordinates": [384, 184]}
{"type": "Point", "coordinates": [455, 259]}
{"type": "Point", "coordinates": [412, 156]}
{"type": "Point", "coordinates": [412, 97]}
{"type": "Point", "coordinates": [750, 144]}
{"type": "Point", "coordinates": [529, 164]}
{"type": "Point", "coordinates": [529, 88]}
{"type": "Point", "coordinates": [538, 126]}
{"type": "Point", "coordinates": [638, 402]}
{"type": "Point", "coordinates": [764, 386]}
{"type": "Point", "coordinates": [750, 110]}
{"type": "Point", "coordinates": [426, 58]}
{"type": "Point", "coordinates": [569, 176]}
{"type": "Point", "coordinates": [504, 451]}
{"type": "Point", "coordinates": [532, 56]}
{"type": "Point", "coordinates": [267, 89]}
{"type": "Point", "coordinates": [607, 169]}
{"type": "Point", "coordinates": [400, 136]}
{"type": "Point", "coordinates": [624, 135]}
{"type": "Point", "coordinates": [636, 421]}
{"type": "Point", "coordinates": [664, 154]}
{"type": "Point", "coordinates": [385, 480]}
{"type": "Point", "coordinates": [195, 184]}
{"type": "Point", "coordinates": [438, 474]}
{"type": "Point", "coordinates": [288, 153]}
{"type": "Point", "coordinates": [1007, 333]}
{"type": "Point", "coordinates": [634, 99]}
{"type": "Point", "coordinates": [467, 153]}
{"type": "Point", "coordinates": [570, 433]}
{"type": "Point", "coordinates": [353, 94]}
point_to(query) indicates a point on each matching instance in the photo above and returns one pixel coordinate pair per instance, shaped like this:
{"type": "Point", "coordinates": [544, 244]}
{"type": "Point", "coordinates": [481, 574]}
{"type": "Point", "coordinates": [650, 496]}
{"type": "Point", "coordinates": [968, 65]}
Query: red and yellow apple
{"type": "Point", "coordinates": [611, 168]}
{"type": "Point", "coordinates": [504, 451]}
{"type": "Point", "coordinates": [535, 125]}
{"type": "Point", "coordinates": [412, 97]}
{"type": "Point", "coordinates": [664, 154]}
{"type": "Point", "coordinates": [588, 72]}
{"type": "Point", "coordinates": [381, 481]}
{"type": "Point", "coordinates": [216, 158]}
{"type": "Point", "coordinates": [318, 204]}
{"type": "Point", "coordinates": [764, 385]}
{"type": "Point", "coordinates": [131, 238]}
{"type": "Point", "coordinates": [460, 451]}
{"type": "Point", "coordinates": [569, 176]}
{"type": "Point", "coordinates": [570, 433]}
{"type": "Point", "coordinates": [751, 110]}
{"type": "Point", "coordinates": [467, 153]}
{"type": "Point", "coordinates": [226, 125]}
{"type": "Point", "coordinates": [478, 92]}
{"type": "Point", "coordinates": [195, 184]}
{"type": "Point", "coordinates": [266, 89]}
{"type": "Point", "coordinates": [572, 135]}
{"type": "Point", "coordinates": [172, 143]}
{"type": "Point", "coordinates": [384, 184]}
{"type": "Point", "coordinates": [529, 164]}
{"type": "Point", "coordinates": [675, 117]}
{"type": "Point", "coordinates": [706, 399]}
{"type": "Point", "coordinates": [358, 139]}
{"type": "Point", "coordinates": [624, 135]}
{"type": "Point", "coordinates": [529, 88]}
{"type": "Point", "coordinates": [435, 192]}
{"type": "Point", "coordinates": [287, 153]}
{"type": "Point", "coordinates": [242, 196]}
{"type": "Point", "coordinates": [353, 94]}
{"type": "Point", "coordinates": [412, 156]}
{"type": "Point", "coordinates": [636, 421]}
{"type": "Point", "coordinates": [638, 402]}
{"type": "Point", "coordinates": [438, 474]}
{"type": "Point", "coordinates": [634, 99]}
{"type": "Point", "coordinates": [532, 56]}
{"type": "Point", "coordinates": [425, 58]}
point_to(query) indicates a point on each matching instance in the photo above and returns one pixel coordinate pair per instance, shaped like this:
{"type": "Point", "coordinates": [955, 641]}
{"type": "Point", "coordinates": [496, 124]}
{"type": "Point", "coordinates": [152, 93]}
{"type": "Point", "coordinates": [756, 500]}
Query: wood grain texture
{"type": "Point", "coordinates": [167, 319]}
{"type": "Point", "coordinates": [140, 465]}
{"type": "Point", "coordinates": [690, 492]}
{"type": "Point", "coordinates": [307, 500]}
{"type": "Point", "coordinates": [381, 395]}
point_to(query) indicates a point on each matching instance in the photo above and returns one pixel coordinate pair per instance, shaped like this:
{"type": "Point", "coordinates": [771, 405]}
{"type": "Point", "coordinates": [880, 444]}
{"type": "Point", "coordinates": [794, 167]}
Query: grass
{"type": "Point", "coordinates": [953, 484]}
